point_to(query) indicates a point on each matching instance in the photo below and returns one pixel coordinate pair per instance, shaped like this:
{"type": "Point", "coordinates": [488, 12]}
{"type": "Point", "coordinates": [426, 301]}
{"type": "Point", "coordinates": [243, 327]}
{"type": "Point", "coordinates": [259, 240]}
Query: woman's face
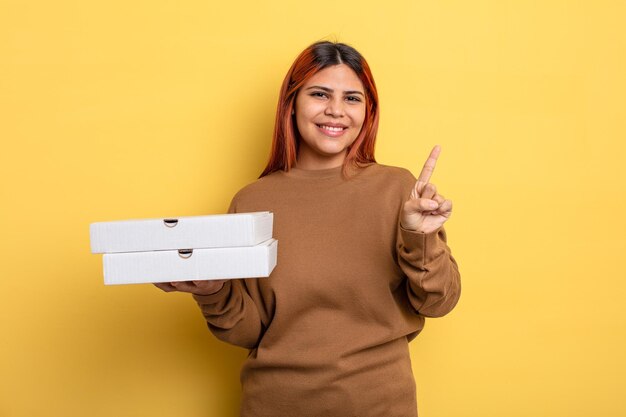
{"type": "Point", "coordinates": [329, 113]}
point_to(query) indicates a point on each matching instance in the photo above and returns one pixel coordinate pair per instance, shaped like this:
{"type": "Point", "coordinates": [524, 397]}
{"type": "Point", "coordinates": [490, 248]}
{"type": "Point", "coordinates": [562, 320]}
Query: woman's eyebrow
{"type": "Point", "coordinates": [330, 90]}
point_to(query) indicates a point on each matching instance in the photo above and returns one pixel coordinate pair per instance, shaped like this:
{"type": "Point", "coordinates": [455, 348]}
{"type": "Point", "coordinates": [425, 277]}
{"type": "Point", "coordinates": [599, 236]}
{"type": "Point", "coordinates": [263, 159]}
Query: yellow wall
{"type": "Point", "coordinates": [115, 110]}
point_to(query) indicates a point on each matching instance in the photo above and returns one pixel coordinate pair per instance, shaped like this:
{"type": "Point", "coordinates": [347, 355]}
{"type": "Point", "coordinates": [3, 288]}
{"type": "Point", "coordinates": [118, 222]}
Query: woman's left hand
{"type": "Point", "coordinates": [426, 210]}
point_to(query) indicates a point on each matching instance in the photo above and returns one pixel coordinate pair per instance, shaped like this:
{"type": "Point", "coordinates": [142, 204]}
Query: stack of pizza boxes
{"type": "Point", "coordinates": [221, 246]}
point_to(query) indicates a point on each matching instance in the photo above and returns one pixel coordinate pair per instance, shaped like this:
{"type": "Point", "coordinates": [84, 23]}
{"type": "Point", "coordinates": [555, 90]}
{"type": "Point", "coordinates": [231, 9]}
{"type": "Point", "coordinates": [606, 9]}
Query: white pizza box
{"type": "Point", "coordinates": [190, 264]}
{"type": "Point", "coordinates": [218, 230]}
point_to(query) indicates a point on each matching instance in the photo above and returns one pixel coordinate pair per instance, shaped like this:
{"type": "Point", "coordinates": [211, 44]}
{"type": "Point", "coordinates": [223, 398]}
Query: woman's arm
{"type": "Point", "coordinates": [231, 314]}
{"type": "Point", "coordinates": [433, 281]}
{"type": "Point", "coordinates": [228, 309]}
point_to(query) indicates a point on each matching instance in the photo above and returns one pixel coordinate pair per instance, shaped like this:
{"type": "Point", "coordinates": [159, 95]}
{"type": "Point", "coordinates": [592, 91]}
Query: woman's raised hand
{"type": "Point", "coordinates": [426, 210]}
{"type": "Point", "coordinates": [207, 287]}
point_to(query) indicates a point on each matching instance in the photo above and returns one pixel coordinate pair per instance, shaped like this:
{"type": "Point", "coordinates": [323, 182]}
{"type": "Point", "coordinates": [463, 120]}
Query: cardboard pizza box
{"type": "Point", "coordinates": [218, 230]}
{"type": "Point", "coordinates": [190, 264]}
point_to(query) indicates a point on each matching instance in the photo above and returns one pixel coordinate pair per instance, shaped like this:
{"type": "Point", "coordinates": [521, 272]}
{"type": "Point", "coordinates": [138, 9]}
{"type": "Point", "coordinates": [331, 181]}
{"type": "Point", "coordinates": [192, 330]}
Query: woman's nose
{"type": "Point", "coordinates": [334, 108]}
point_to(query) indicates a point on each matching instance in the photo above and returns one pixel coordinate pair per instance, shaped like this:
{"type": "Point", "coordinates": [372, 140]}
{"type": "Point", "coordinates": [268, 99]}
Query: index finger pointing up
{"type": "Point", "coordinates": [429, 165]}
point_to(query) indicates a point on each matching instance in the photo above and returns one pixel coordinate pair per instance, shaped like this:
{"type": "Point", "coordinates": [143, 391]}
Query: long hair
{"type": "Point", "coordinates": [286, 140]}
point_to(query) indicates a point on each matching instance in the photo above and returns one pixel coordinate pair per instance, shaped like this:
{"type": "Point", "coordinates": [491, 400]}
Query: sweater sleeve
{"type": "Point", "coordinates": [231, 314]}
{"type": "Point", "coordinates": [433, 282]}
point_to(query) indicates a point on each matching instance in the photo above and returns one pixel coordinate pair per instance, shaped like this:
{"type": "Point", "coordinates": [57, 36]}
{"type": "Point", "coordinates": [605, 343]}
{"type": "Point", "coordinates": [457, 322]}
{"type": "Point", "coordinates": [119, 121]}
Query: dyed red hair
{"type": "Point", "coordinates": [313, 59]}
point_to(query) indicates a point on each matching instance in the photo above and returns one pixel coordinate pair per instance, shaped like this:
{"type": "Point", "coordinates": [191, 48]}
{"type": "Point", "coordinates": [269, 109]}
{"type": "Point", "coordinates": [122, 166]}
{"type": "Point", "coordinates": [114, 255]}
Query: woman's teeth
{"type": "Point", "coordinates": [331, 128]}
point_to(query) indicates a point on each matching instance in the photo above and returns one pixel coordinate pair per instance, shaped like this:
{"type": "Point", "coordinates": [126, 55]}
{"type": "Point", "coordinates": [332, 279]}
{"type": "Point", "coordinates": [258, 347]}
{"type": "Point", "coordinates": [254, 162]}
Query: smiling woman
{"type": "Point", "coordinates": [363, 258]}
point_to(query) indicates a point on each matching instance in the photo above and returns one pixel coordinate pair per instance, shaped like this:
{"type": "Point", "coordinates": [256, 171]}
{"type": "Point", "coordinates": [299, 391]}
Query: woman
{"type": "Point", "coordinates": [362, 260]}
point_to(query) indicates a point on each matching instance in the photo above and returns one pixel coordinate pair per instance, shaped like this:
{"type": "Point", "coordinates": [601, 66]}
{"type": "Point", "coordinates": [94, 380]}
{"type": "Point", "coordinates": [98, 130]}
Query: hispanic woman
{"type": "Point", "coordinates": [363, 258]}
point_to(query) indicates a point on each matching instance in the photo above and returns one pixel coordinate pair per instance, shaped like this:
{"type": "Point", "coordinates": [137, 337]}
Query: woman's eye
{"type": "Point", "coordinates": [318, 94]}
{"type": "Point", "coordinates": [353, 98]}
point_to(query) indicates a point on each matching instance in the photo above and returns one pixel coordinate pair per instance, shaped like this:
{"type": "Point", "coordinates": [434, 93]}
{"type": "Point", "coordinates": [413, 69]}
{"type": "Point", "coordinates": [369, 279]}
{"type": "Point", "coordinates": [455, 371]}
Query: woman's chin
{"type": "Point", "coordinates": [331, 148]}
{"type": "Point", "coordinates": [333, 153]}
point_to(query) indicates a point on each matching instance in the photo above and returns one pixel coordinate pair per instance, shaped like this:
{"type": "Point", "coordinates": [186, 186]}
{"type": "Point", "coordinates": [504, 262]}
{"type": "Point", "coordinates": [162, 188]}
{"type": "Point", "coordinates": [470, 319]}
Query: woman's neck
{"type": "Point", "coordinates": [313, 162]}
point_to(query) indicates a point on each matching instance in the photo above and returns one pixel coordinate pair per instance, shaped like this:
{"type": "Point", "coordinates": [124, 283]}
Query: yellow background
{"type": "Point", "coordinates": [118, 110]}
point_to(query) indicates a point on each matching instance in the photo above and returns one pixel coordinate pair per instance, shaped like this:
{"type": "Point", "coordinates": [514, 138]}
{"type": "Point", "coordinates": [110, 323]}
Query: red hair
{"type": "Point", "coordinates": [313, 59]}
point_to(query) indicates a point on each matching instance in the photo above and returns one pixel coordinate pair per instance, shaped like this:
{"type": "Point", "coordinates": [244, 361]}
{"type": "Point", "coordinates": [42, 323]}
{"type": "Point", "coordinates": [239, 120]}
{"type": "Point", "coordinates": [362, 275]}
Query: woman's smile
{"type": "Point", "coordinates": [332, 130]}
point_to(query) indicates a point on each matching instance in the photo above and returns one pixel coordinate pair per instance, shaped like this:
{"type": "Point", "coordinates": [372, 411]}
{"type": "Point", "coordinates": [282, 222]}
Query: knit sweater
{"type": "Point", "coordinates": [328, 331]}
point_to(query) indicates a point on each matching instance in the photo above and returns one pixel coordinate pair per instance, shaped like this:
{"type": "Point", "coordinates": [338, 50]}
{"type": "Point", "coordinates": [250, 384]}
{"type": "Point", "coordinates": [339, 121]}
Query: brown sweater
{"type": "Point", "coordinates": [328, 331]}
